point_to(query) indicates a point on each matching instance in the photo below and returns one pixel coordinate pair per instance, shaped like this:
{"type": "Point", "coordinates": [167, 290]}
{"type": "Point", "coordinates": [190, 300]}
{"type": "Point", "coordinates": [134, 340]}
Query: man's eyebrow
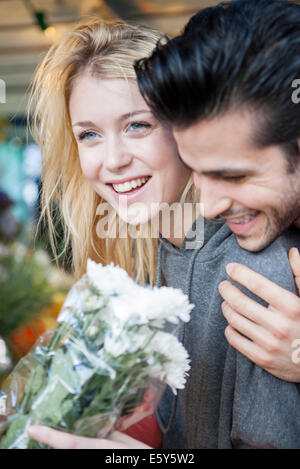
{"type": "Point", "coordinates": [222, 171]}
{"type": "Point", "coordinates": [123, 117]}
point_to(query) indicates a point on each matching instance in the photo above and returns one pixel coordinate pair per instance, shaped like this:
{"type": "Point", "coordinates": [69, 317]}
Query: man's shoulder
{"type": "Point", "coordinates": [288, 239]}
{"type": "Point", "coordinates": [272, 262]}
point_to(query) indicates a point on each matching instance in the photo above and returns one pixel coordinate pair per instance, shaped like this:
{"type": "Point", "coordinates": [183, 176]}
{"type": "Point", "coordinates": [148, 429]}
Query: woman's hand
{"type": "Point", "coordinates": [270, 337]}
{"type": "Point", "coordinates": [61, 440]}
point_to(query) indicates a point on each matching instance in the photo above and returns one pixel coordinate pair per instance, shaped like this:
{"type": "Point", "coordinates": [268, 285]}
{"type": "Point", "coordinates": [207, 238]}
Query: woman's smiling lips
{"type": "Point", "coordinates": [129, 193]}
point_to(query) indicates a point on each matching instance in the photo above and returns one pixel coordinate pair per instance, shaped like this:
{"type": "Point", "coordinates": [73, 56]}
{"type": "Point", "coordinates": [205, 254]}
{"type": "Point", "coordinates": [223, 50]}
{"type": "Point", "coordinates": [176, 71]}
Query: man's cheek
{"type": "Point", "coordinates": [252, 197]}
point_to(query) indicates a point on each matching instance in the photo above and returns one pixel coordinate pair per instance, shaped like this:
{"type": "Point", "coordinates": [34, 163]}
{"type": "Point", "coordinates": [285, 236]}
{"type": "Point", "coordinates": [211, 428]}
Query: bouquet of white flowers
{"type": "Point", "coordinates": [94, 372]}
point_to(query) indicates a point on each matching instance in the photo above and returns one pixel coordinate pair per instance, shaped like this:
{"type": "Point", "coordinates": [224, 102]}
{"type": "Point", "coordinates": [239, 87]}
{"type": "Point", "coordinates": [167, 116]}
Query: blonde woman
{"type": "Point", "coordinates": [103, 154]}
{"type": "Point", "coordinates": [90, 73]}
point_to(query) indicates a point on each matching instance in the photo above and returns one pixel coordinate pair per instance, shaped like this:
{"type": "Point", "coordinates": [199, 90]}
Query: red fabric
{"type": "Point", "coordinates": [147, 431]}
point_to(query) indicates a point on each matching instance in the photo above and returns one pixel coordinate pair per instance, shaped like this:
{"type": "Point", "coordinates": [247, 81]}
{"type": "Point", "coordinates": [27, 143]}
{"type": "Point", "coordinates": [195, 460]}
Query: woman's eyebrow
{"type": "Point", "coordinates": [122, 117]}
{"type": "Point", "coordinates": [84, 124]}
{"type": "Point", "coordinates": [134, 113]}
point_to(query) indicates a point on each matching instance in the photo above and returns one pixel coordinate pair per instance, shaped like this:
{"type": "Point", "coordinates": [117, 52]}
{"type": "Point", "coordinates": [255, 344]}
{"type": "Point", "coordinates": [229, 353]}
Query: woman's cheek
{"type": "Point", "coordinates": [88, 167]}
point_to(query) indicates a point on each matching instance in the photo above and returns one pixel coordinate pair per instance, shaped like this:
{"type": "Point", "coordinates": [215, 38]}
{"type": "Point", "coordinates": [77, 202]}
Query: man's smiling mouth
{"type": "Point", "coordinates": [241, 219]}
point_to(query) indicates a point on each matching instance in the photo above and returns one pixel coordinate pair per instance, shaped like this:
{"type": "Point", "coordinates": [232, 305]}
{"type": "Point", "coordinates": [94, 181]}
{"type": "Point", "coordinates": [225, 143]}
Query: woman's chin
{"type": "Point", "coordinates": [134, 219]}
{"type": "Point", "coordinates": [138, 213]}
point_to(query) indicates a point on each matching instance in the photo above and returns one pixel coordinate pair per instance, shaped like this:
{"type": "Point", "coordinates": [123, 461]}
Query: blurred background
{"type": "Point", "coordinates": [32, 287]}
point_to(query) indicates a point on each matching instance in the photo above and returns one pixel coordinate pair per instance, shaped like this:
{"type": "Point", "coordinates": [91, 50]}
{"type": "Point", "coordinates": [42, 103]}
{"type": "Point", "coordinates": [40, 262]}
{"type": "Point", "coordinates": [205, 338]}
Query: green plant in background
{"type": "Point", "coordinates": [24, 286]}
{"type": "Point", "coordinates": [63, 251]}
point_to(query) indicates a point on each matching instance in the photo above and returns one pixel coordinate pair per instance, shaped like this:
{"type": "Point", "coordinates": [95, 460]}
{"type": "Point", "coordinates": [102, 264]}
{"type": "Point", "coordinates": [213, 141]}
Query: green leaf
{"type": "Point", "coordinates": [16, 437]}
{"type": "Point", "coordinates": [49, 405]}
{"type": "Point", "coordinates": [33, 386]}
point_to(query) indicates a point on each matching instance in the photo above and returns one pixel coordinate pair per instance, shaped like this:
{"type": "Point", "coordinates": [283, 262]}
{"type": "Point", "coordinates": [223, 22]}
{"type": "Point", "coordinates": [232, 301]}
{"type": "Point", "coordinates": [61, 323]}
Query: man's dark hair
{"type": "Point", "coordinates": [239, 54]}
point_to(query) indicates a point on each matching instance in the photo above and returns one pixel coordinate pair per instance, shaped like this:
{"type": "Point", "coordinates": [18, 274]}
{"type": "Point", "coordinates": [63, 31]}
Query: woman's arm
{"type": "Point", "coordinates": [145, 434]}
{"type": "Point", "coordinates": [61, 440]}
{"type": "Point", "coordinates": [267, 336]}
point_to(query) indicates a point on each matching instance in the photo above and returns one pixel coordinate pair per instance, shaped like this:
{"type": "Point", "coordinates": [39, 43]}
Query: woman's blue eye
{"type": "Point", "coordinates": [139, 126]}
{"type": "Point", "coordinates": [87, 135]}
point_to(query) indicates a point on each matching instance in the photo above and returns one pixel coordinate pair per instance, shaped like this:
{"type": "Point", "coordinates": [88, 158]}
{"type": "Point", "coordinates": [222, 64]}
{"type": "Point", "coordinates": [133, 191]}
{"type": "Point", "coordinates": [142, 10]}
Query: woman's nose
{"type": "Point", "coordinates": [117, 155]}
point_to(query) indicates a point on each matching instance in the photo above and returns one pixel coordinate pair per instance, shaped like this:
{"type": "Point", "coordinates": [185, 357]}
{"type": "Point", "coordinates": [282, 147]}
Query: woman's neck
{"type": "Point", "coordinates": [176, 220]}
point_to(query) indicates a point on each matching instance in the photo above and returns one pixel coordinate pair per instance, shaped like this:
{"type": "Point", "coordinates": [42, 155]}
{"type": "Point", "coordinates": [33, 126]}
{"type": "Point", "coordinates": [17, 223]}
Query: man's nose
{"type": "Point", "coordinates": [117, 154]}
{"type": "Point", "coordinates": [213, 198]}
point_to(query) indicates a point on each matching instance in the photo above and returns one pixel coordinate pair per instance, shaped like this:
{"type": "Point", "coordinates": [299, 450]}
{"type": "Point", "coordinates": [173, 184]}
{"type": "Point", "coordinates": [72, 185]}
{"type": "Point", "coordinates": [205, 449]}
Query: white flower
{"type": "Point", "coordinates": [158, 305]}
{"type": "Point", "coordinates": [176, 365]}
{"type": "Point", "coordinates": [143, 303]}
{"type": "Point", "coordinates": [151, 306]}
{"type": "Point", "coordinates": [108, 280]}
{"type": "Point", "coordinates": [130, 314]}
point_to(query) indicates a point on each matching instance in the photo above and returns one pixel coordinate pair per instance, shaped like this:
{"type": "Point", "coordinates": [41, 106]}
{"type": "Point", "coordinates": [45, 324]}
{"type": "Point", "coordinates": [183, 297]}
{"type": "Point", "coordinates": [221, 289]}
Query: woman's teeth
{"type": "Point", "coordinates": [129, 185]}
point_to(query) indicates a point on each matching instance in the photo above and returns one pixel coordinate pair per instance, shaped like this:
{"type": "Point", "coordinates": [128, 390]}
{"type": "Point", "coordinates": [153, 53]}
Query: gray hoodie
{"type": "Point", "coordinates": [228, 401]}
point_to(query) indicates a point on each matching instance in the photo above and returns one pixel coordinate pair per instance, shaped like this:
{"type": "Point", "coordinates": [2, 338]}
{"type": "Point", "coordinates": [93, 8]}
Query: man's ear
{"type": "Point", "coordinates": [298, 141]}
{"type": "Point", "coordinates": [297, 167]}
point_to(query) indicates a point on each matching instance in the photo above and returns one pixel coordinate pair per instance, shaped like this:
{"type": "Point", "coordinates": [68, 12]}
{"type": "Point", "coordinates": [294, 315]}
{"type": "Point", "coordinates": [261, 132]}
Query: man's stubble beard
{"type": "Point", "coordinates": [278, 220]}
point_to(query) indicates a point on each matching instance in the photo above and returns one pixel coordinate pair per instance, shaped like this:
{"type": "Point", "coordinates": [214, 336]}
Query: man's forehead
{"type": "Point", "coordinates": [223, 144]}
{"type": "Point", "coordinates": [233, 127]}
{"type": "Point", "coordinates": [222, 162]}
{"type": "Point", "coordinates": [218, 159]}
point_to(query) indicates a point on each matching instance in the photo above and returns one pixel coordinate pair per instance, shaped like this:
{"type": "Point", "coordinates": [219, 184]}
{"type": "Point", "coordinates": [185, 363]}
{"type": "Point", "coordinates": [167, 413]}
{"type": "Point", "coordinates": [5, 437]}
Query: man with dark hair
{"type": "Point", "coordinates": [226, 86]}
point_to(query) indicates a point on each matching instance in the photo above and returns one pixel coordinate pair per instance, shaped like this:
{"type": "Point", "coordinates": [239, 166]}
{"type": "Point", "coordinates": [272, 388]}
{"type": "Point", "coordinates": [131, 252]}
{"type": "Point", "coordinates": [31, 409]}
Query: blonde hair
{"type": "Point", "coordinates": [110, 49]}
